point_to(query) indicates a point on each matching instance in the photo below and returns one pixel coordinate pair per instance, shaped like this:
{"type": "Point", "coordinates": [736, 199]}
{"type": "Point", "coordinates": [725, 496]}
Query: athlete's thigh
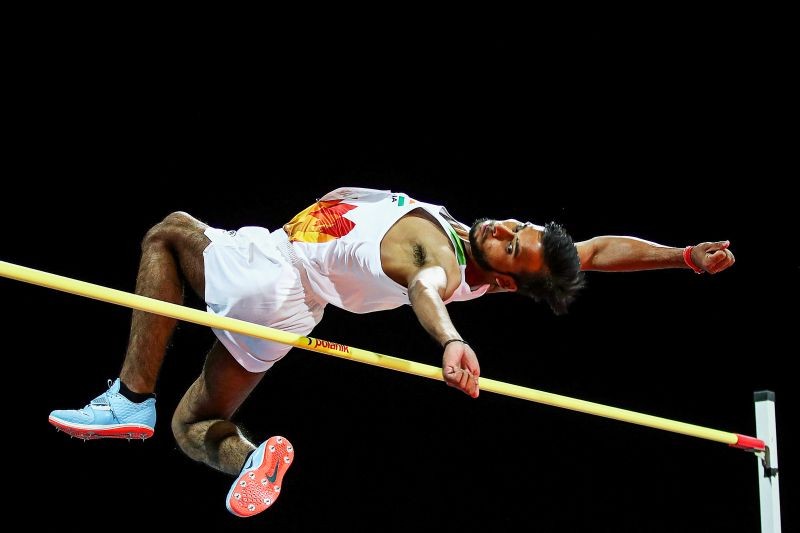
{"type": "Point", "coordinates": [221, 388]}
{"type": "Point", "coordinates": [187, 238]}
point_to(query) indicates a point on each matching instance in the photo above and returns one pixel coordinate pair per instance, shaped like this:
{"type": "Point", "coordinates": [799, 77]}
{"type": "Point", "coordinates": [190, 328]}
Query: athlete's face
{"type": "Point", "coordinates": [506, 246]}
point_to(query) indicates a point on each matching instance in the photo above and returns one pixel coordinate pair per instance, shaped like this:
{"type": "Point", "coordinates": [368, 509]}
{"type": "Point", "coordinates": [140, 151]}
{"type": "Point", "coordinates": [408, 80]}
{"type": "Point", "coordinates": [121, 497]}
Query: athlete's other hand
{"type": "Point", "coordinates": [460, 368]}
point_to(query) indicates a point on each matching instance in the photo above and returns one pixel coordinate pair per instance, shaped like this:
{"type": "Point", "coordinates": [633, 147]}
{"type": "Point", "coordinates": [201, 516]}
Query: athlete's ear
{"type": "Point", "coordinates": [507, 283]}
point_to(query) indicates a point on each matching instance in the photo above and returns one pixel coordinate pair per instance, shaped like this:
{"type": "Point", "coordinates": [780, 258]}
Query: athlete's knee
{"type": "Point", "coordinates": [176, 220]}
{"type": "Point", "coordinates": [181, 218]}
{"type": "Point", "coordinates": [174, 226]}
{"type": "Point", "coordinates": [201, 439]}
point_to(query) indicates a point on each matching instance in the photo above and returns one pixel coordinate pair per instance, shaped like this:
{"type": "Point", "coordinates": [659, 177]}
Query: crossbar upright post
{"type": "Point", "coordinates": [768, 462]}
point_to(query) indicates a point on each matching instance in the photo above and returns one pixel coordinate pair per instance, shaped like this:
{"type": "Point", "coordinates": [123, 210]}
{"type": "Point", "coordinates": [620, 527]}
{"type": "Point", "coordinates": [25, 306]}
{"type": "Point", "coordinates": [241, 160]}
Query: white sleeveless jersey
{"type": "Point", "coordinates": [338, 241]}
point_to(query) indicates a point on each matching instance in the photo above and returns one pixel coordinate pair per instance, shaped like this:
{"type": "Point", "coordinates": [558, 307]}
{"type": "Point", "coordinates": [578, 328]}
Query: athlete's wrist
{"type": "Point", "coordinates": [444, 345]}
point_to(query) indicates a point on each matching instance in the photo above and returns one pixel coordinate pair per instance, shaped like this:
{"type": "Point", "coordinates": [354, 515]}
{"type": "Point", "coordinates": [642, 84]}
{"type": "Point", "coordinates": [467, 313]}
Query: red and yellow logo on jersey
{"type": "Point", "coordinates": [321, 222]}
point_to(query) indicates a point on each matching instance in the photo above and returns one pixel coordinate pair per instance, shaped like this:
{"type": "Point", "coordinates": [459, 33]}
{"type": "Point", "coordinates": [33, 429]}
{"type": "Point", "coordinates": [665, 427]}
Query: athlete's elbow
{"type": "Point", "coordinates": [420, 289]}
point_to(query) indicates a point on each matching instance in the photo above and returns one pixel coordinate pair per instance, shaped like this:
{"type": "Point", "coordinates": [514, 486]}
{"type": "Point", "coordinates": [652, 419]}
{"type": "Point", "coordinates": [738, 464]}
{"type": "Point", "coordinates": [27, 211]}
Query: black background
{"type": "Point", "coordinates": [672, 136]}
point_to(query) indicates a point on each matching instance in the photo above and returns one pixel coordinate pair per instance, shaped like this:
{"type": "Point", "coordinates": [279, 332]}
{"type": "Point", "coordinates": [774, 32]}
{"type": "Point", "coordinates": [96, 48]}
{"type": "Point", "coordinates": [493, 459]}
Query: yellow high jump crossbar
{"type": "Point", "coordinates": [151, 305]}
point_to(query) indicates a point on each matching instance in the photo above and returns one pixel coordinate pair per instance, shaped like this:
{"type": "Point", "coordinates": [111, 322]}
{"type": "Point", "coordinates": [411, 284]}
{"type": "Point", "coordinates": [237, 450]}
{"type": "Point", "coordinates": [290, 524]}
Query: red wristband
{"type": "Point", "coordinates": [687, 258]}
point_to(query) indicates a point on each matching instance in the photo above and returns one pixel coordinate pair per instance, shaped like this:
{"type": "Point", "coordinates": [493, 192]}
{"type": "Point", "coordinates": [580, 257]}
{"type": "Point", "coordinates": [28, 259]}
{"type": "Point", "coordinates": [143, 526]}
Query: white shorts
{"type": "Point", "coordinates": [250, 276]}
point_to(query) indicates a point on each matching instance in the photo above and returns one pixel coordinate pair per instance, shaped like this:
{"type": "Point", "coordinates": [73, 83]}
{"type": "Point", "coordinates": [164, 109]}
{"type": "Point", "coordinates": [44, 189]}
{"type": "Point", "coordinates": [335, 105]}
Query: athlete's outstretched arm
{"type": "Point", "coordinates": [613, 253]}
{"type": "Point", "coordinates": [460, 368]}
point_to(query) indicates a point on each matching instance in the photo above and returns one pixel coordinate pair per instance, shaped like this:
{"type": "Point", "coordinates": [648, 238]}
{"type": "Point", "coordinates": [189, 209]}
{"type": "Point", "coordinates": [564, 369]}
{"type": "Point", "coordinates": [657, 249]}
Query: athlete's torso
{"type": "Point", "coordinates": [338, 240]}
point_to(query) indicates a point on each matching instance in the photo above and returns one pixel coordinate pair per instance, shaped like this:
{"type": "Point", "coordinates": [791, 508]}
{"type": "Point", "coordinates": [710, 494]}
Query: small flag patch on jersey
{"type": "Point", "coordinates": [401, 200]}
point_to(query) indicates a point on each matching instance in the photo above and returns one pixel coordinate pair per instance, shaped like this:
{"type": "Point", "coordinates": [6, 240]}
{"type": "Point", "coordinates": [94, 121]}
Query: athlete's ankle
{"type": "Point", "coordinates": [136, 397]}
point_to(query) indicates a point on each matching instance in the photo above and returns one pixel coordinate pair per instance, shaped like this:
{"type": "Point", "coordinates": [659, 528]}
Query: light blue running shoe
{"type": "Point", "coordinates": [109, 416]}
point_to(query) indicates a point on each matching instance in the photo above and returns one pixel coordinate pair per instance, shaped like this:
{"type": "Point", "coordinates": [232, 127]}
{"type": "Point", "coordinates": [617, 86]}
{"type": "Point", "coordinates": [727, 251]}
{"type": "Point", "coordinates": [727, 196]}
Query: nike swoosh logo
{"type": "Point", "coordinates": [274, 475]}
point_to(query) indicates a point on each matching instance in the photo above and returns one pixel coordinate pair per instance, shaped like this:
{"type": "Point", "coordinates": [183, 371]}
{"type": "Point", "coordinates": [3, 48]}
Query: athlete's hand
{"type": "Point", "coordinates": [460, 368]}
{"type": "Point", "coordinates": [713, 257]}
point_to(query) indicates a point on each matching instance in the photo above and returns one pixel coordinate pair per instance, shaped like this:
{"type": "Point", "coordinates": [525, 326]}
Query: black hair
{"type": "Point", "coordinates": [561, 278]}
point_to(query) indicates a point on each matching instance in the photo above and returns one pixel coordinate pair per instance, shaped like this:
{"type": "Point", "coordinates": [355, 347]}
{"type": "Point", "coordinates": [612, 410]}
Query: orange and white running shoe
{"type": "Point", "coordinates": [259, 483]}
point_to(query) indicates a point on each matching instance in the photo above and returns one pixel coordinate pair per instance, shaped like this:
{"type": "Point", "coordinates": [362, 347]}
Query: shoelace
{"type": "Point", "coordinates": [103, 399]}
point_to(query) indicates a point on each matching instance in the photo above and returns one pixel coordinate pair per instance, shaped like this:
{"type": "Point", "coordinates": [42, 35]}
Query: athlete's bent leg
{"type": "Point", "coordinates": [172, 253]}
{"type": "Point", "coordinates": [204, 431]}
{"type": "Point", "coordinates": [202, 421]}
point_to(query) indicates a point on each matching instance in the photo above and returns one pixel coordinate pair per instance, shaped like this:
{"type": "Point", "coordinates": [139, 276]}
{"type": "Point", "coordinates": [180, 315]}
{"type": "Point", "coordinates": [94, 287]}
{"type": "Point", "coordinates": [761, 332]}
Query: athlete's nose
{"type": "Point", "coordinates": [502, 232]}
